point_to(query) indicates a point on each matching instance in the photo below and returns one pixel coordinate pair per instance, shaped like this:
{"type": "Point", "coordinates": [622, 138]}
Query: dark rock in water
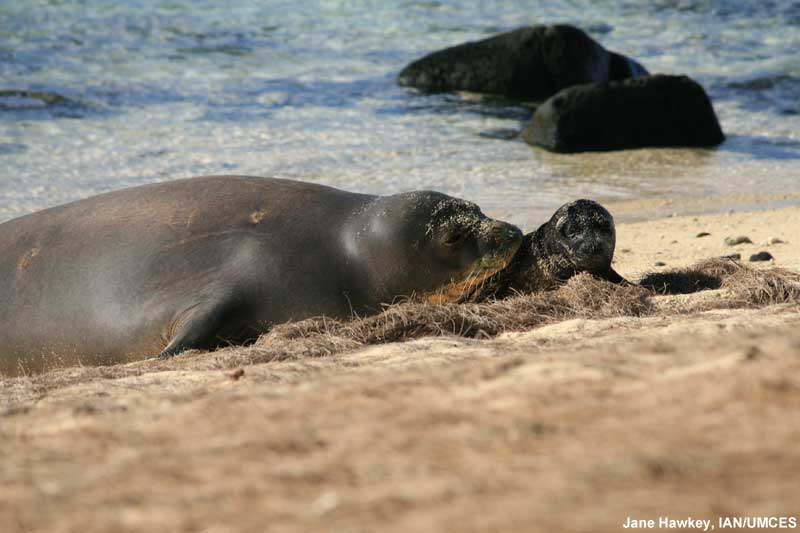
{"type": "Point", "coordinates": [761, 83]}
{"type": "Point", "coordinates": [503, 134]}
{"type": "Point", "coordinates": [741, 239]}
{"type": "Point", "coordinates": [761, 256]}
{"type": "Point", "coordinates": [635, 113]}
{"type": "Point", "coordinates": [621, 67]}
{"type": "Point", "coordinates": [533, 62]}
{"type": "Point", "coordinates": [19, 99]}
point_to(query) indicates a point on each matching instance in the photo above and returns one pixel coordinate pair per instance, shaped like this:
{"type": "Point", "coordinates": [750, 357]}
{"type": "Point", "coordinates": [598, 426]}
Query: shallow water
{"type": "Point", "coordinates": [156, 90]}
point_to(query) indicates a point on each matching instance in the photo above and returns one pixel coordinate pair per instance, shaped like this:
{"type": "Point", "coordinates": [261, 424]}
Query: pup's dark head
{"type": "Point", "coordinates": [579, 237]}
{"type": "Point", "coordinates": [582, 235]}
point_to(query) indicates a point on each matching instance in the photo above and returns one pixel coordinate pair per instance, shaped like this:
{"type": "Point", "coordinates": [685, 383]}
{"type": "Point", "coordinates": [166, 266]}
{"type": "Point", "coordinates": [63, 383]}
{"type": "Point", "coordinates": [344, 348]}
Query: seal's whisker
{"type": "Point", "coordinates": [473, 274]}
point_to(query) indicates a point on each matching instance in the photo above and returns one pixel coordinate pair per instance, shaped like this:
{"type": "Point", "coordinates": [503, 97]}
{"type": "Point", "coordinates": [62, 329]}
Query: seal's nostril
{"type": "Point", "coordinates": [503, 234]}
{"type": "Point", "coordinates": [591, 247]}
{"type": "Point", "coordinates": [514, 233]}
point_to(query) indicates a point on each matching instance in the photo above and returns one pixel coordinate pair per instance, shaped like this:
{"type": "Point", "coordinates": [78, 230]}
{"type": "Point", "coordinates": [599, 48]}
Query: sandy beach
{"type": "Point", "coordinates": [673, 239]}
{"type": "Point", "coordinates": [672, 399]}
{"type": "Point", "coordinates": [675, 409]}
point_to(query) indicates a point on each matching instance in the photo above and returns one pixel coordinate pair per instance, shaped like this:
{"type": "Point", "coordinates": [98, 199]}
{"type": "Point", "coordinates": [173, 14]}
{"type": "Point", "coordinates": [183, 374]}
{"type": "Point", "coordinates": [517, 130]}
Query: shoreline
{"type": "Point", "coordinates": [651, 208]}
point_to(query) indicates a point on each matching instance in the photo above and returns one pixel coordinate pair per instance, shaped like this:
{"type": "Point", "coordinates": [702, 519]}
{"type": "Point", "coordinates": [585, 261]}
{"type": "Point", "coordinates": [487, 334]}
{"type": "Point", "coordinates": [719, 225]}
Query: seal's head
{"type": "Point", "coordinates": [428, 243]}
{"type": "Point", "coordinates": [579, 237]}
{"type": "Point", "coordinates": [582, 234]}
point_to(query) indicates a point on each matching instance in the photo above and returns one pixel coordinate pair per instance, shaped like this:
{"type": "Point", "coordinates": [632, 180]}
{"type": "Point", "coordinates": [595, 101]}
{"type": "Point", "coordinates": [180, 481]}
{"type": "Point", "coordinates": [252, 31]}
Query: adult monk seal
{"type": "Point", "coordinates": [201, 262]}
{"type": "Point", "coordinates": [579, 237]}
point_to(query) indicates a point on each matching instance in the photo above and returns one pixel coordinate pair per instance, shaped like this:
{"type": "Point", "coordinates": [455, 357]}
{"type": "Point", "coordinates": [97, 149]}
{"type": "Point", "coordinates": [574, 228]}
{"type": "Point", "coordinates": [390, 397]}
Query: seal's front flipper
{"type": "Point", "coordinates": [202, 328]}
{"type": "Point", "coordinates": [613, 277]}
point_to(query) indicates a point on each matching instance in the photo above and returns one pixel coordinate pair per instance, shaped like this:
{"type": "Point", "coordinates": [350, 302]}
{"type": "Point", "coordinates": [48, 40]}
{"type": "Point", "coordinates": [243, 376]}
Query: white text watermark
{"type": "Point", "coordinates": [707, 524]}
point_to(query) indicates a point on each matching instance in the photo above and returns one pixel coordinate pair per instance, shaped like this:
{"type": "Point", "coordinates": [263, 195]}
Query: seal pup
{"type": "Point", "coordinates": [204, 262]}
{"type": "Point", "coordinates": [579, 237]}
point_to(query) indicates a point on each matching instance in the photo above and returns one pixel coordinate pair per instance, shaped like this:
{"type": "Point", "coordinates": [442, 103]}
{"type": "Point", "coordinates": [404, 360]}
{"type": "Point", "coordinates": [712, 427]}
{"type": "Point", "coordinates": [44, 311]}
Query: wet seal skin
{"type": "Point", "coordinates": [579, 237]}
{"type": "Point", "coordinates": [205, 262]}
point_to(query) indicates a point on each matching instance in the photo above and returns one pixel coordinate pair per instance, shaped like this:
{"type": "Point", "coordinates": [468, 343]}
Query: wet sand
{"type": "Point", "coordinates": [642, 209]}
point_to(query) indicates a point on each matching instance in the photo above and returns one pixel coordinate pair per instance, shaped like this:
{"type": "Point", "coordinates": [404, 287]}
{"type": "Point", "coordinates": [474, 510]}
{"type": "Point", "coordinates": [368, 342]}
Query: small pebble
{"type": "Point", "coordinates": [237, 374]}
{"type": "Point", "coordinates": [761, 256]}
{"type": "Point", "coordinates": [772, 240]}
{"type": "Point", "coordinates": [752, 353]}
{"type": "Point", "coordinates": [660, 264]}
{"type": "Point", "coordinates": [702, 234]}
{"type": "Point", "coordinates": [736, 257]}
{"type": "Point", "coordinates": [741, 239]}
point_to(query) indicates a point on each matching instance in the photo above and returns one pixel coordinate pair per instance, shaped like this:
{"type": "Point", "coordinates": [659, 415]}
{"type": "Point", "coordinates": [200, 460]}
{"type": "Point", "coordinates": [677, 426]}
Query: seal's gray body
{"type": "Point", "coordinates": [206, 261]}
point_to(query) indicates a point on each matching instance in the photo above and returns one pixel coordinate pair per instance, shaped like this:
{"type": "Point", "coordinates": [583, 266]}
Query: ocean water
{"type": "Point", "coordinates": [149, 90]}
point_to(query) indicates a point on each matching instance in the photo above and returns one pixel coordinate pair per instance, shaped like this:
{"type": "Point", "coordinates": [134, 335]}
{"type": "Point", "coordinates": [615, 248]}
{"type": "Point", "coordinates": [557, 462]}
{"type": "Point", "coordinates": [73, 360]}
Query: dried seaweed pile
{"type": "Point", "coordinates": [582, 297]}
{"type": "Point", "coordinates": [662, 294]}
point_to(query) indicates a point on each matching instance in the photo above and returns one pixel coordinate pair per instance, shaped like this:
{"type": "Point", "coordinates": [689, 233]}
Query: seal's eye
{"type": "Point", "coordinates": [572, 230]}
{"type": "Point", "coordinates": [453, 238]}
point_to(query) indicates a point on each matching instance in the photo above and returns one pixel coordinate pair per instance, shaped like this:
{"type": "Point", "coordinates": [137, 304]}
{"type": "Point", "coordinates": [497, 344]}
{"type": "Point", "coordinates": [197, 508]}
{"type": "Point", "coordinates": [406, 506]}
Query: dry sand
{"type": "Point", "coordinates": [572, 426]}
{"type": "Point", "coordinates": [674, 240]}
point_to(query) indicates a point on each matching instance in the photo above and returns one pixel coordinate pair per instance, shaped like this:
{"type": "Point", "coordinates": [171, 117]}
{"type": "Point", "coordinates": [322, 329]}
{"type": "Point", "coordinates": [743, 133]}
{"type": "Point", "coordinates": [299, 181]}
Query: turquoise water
{"type": "Point", "coordinates": [156, 90]}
